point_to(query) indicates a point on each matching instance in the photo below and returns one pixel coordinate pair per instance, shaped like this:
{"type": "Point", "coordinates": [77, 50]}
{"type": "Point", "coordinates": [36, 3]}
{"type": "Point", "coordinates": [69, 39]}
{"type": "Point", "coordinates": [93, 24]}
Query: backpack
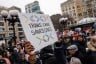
{"type": "Point", "coordinates": [2, 61]}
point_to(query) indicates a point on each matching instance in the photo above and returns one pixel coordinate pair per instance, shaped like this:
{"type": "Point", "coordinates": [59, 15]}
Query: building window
{"type": "Point", "coordinates": [72, 22]}
{"type": "Point", "coordinates": [20, 33]}
{"type": "Point", "coordinates": [2, 35]}
{"type": "Point", "coordinates": [85, 14]}
{"type": "Point", "coordinates": [80, 14]}
{"type": "Point", "coordinates": [74, 14]}
{"type": "Point", "coordinates": [74, 11]}
{"type": "Point", "coordinates": [2, 29]}
{"type": "Point", "coordinates": [78, 6]}
{"type": "Point", "coordinates": [10, 28]}
{"type": "Point", "coordinates": [73, 7]}
{"type": "Point", "coordinates": [26, 9]}
{"type": "Point", "coordinates": [90, 11]}
{"type": "Point", "coordinates": [36, 8]}
{"type": "Point", "coordinates": [75, 17]}
{"type": "Point", "coordinates": [95, 15]}
{"type": "Point", "coordinates": [1, 18]}
{"type": "Point", "coordinates": [68, 23]}
{"type": "Point", "coordinates": [10, 34]}
{"type": "Point", "coordinates": [29, 11]}
{"type": "Point", "coordinates": [95, 9]}
{"type": "Point", "coordinates": [69, 8]}
{"type": "Point", "coordinates": [75, 22]}
{"type": "Point", "coordinates": [91, 15]}
{"type": "Point", "coordinates": [9, 24]}
{"type": "Point", "coordinates": [63, 10]}
{"type": "Point", "coordinates": [20, 29]}
{"type": "Point", "coordinates": [19, 25]}
{"type": "Point", "coordinates": [1, 23]}
{"type": "Point", "coordinates": [66, 9]}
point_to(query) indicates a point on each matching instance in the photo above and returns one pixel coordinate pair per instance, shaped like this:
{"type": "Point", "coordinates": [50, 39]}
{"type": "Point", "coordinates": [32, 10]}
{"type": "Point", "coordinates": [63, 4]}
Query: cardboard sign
{"type": "Point", "coordinates": [38, 29]}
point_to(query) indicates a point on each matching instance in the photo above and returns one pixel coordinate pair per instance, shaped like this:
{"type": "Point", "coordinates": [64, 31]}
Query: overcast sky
{"type": "Point", "coordinates": [47, 6]}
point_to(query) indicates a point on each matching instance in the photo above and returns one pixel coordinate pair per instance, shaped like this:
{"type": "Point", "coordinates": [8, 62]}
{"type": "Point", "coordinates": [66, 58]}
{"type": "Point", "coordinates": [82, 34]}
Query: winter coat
{"type": "Point", "coordinates": [24, 62]}
{"type": "Point", "coordinates": [46, 53]}
{"type": "Point", "coordinates": [81, 46]}
{"type": "Point", "coordinates": [51, 60]}
{"type": "Point", "coordinates": [91, 55]}
{"type": "Point", "coordinates": [59, 53]}
{"type": "Point", "coordinates": [15, 57]}
{"type": "Point", "coordinates": [81, 49]}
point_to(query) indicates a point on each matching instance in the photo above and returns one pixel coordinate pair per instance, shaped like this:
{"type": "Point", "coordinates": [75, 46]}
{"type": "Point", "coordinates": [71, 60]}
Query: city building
{"type": "Point", "coordinates": [6, 29]}
{"type": "Point", "coordinates": [73, 9]}
{"type": "Point", "coordinates": [33, 8]}
{"type": "Point", "coordinates": [79, 9]}
{"type": "Point", "coordinates": [89, 8]}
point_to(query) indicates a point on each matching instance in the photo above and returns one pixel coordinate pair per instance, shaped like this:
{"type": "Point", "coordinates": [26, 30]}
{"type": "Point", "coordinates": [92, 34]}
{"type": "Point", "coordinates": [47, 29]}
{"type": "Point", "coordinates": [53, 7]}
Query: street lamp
{"type": "Point", "coordinates": [63, 21]}
{"type": "Point", "coordinates": [12, 18]}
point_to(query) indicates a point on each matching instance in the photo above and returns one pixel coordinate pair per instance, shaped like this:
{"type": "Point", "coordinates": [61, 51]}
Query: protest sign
{"type": "Point", "coordinates": [38, 29]}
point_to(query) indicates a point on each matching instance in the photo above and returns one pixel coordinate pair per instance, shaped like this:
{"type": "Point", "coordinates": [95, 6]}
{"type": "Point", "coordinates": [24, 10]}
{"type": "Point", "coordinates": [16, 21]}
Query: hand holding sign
{"type": "Point", "coordinates": [29, 49]}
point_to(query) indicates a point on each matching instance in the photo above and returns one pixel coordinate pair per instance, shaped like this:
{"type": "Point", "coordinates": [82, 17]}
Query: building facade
{"type": "Point", "coordinates": [79, 9]}
{"type": "Point", "coordinates": [6, 29]}
{"type": "Point", "coordinates": [90, 6]}
{"type": "Point", "coordinates": [33, 8]}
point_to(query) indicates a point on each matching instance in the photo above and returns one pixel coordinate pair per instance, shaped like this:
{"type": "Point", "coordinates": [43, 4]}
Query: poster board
{"type": "Point", "coordinates": [38, 29]}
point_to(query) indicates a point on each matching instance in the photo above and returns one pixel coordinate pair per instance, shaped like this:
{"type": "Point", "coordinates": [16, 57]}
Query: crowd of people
{"type": "Point", "coordinates": [72, 47]}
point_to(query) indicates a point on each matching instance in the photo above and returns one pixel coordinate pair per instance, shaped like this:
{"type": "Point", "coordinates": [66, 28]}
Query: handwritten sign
{"type": "Point", "coordinates": [38, 29]}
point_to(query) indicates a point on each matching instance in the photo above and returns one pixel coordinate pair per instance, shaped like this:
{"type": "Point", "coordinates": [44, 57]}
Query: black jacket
{"type": "Point", "coordinates": [82, 50]}
{"type": "Point", "coordinates": [59, 53]}
{"type": "Point", "coordinates": [91, 57]}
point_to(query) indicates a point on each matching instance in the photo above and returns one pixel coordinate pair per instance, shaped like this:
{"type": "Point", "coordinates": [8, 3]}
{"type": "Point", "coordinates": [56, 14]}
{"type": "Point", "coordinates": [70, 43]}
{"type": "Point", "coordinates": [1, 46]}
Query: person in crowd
{"type": "Point", "coordinates": [59, 51]}
{"type": "Point", "coordinates": [23, 60]}
{"type": "Point", "coordinates": [75, 38]}
{"type": "Point", "coordinates": [69, 49]}
{"type": "Point", "coordinates": [74, 56]}
{"type": "Point", "coordinates": [46, 53]}
{"type": "Point", "coordinates": [75, 35]}
{"type": "Point", "coordinates": [3, 60]}
{"type": "Point", "coordinates": [67, 41]}
{"type": "Point", "coordinates": [91, 55]}
{"type": "Point", "coordinates": [15, 54]}
{"type": "Point", "coordinates": [81, 44]}
{"type": "Point", "coordinates": [51, 60]}
{"type": "Point", "coordinates": [29, 50]}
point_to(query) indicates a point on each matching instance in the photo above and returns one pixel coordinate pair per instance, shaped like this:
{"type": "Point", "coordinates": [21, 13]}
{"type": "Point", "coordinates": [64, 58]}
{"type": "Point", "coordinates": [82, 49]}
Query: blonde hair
{"type": "Point", "coordinates": [93, 39]}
